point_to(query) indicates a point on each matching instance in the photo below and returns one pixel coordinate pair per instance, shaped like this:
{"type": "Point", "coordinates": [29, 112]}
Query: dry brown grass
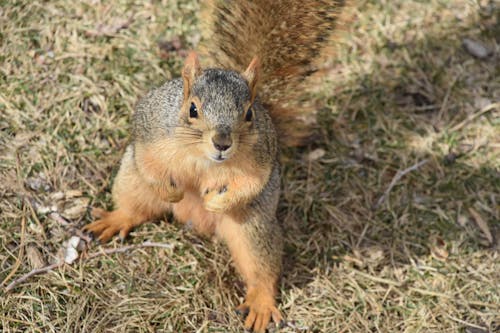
{"type": "Point", "coordinates": [403, 90]}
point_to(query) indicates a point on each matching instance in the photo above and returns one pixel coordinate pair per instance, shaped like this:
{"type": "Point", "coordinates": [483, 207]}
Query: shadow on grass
{"type": "Point", "coordinates": [411, 107]}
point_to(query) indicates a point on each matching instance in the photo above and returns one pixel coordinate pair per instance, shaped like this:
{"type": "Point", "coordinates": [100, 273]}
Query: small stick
{"type": "Point", "coordinates": [470, 118]}
{"type": "Point", "coordinates": [51, 267]}
{"type": "Point", "coordinates": [378, 279]}
{"type": "Point", "coordinates": [400, 174]}
{"type": "Point", "coordinates": [26, 276]}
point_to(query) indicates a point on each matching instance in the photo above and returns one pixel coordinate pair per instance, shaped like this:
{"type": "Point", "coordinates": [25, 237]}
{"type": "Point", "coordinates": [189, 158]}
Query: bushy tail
{"type": "Point", "coordinates": [290, 37]}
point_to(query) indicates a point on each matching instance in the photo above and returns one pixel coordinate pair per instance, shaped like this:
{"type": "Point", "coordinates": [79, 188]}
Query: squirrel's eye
{"type": "Point", "coordinates": [193, 111]}
{"type": "Point", "coordinates": [249, 114]}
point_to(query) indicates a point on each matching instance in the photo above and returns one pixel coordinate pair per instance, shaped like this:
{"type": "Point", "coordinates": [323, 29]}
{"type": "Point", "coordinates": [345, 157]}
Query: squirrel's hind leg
{"type": "Point", "coordinates": [256, 247]}
{"type": "Point", "coordinates": [135, 201]}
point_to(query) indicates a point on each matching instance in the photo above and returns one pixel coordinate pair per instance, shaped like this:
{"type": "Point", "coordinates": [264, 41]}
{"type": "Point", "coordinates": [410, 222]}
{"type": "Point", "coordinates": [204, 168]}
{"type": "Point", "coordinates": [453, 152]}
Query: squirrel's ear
{"type": "Point", "coordinates": [190, 71]}
{"type": "Point", "coordinates": [251, 75]}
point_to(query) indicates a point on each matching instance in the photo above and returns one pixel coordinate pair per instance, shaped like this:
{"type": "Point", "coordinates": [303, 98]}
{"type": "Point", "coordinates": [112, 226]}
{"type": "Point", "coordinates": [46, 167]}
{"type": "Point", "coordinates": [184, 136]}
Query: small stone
{"type": "Point", "coordinates": [481, 102]}
{"type": "Point", "coordinates": [462, 220]}
{"type": "Point", "coordinates": [71, 250]}
{"type": "Point", "coordinates": [476, 48]}
{"type": "Point", "coordinates": [450, 158]}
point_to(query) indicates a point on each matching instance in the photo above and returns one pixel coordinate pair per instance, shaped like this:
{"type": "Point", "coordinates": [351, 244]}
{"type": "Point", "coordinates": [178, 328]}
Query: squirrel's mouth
{"type": "Point", "coordinates": [219, 158]}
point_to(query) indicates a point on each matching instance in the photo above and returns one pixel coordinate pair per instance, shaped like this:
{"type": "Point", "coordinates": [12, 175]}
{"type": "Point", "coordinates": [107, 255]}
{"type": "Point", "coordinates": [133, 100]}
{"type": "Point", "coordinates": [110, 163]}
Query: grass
{"type": "Point", "coordinates": [401, 90]}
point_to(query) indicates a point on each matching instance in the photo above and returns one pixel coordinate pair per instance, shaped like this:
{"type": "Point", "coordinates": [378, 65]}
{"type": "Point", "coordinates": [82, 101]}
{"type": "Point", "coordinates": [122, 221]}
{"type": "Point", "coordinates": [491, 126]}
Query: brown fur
{"type": "Point", "coordinates": [291, 38]}
{"type": "Point", "coordinates": [138, 200]}
{"type": "Point", "coordinates": [261, 282]}
{"type": "Point", "coordinates": [205, 147]}
{"type": "Point", "coordinates": [135, 203]}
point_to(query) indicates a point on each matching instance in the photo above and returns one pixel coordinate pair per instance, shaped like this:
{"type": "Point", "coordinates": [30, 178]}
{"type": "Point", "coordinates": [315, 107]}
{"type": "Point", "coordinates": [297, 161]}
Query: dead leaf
{"type": "Point", "coordinates": [374, 254]}
{"type": "Point", "coordinates": [21, 139]}
{"type": "Point", "coordinates": [316, 154]}
{"type": "Point", "coordinates": [73, 194]}
{"type": "Point", "coordinates": [173, 46]}
{"type": "Point", "coordinates": [57, 196]}
{"type": "Point", "coordinates": [35, 258]}
{"type": "Point", "coordinates": [38, 183]}
{"type": "Point", "coordinates": [36, 228]}
{"type": "Point", "coordinates": [77, 208]}
{"type": "Point", "coordinates": [438, 248]}
{"type": "Point", "coordinates": [482, 225]}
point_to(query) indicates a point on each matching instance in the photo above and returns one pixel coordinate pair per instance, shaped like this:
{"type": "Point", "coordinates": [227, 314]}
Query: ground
{"type": "Point", "coordinates": [391, 216]}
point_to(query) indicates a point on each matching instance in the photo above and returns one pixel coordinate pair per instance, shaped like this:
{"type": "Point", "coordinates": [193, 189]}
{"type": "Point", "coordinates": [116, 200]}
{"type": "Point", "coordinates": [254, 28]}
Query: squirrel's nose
{"type": "Point", "coordinates": [222, 141]}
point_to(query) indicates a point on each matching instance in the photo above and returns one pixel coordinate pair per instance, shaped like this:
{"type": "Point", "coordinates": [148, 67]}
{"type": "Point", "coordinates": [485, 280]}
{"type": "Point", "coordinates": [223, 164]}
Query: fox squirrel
{"type": "Point", "coordinates": [205, 146]}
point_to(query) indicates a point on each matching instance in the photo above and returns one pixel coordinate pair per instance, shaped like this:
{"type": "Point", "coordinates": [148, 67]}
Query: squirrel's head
{"type": "Point", "coordinates": [217, 113]}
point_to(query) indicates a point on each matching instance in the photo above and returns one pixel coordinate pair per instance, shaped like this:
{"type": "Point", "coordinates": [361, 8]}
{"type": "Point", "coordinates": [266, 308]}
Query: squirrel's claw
{"type": "Point", "coordinates": [109, 224]}
{"type": "Point", "coordinates": [242, 310]}
{"type": "Point", "coordinates": [259, 316]}
{"type": "Point", "coordinates": [218, 200]}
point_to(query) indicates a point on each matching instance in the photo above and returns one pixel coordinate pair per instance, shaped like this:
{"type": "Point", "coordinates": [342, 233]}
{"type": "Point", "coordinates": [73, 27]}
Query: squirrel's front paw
{"type": "Point", "coordinates": [218, 200]}
{"type": "Point", "coordinates": [169, 191]}
{"type": "Point", "coordinates": [260, 309]}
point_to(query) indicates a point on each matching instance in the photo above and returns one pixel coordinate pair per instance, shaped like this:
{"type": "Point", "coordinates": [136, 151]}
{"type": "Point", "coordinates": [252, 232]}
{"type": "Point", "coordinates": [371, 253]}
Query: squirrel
{"type": "Point", "coordinates": [205, 146]}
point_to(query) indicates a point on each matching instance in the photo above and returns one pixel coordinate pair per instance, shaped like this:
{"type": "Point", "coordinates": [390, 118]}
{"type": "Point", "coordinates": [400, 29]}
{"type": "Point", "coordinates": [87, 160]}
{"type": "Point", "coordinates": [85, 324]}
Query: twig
{"type": "Point", "coordinates": [466, 323]}
{"type": "Point", "coordinates": [51, 267]}
{"type": "Point", "coordinates": [400, 174]}
{"type": "Point", "coordinates": [452, 298]}
{"type": "Point", "coordinates": [379, 279]}
{"type": "Point", "coordinates": [470, 118]}
{"type": "Point", "coordinates": [37, 271]}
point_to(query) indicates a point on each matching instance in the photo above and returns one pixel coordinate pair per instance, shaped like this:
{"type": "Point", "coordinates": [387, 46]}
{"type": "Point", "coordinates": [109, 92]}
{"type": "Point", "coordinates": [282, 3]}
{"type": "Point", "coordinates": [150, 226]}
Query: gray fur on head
{"type": "Point", "coordinates": [224, 94]}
